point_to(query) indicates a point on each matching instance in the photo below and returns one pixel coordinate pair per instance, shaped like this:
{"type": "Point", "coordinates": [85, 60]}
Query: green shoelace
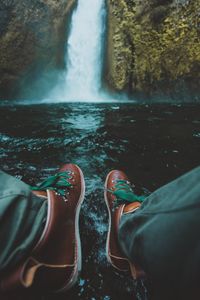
{"type": "Point", "coordinates": [124, 193]}
{"type": "Point", "coordinates": [58, 183]}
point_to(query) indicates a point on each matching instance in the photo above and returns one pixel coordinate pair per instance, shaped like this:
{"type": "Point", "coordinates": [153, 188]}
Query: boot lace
{"type": "Point", "coordinates": [58, 183]}
{"type": "Point", "coordinates": [124, 193]}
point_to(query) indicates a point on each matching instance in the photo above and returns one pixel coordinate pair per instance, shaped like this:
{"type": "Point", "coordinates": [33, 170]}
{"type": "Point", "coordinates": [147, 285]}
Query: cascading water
{"type": "Point", "coordinates": [84, 51]}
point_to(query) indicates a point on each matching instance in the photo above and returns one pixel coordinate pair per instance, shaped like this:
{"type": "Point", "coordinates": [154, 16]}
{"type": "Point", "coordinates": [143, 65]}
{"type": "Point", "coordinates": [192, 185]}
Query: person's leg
{"type": "Point", "coordinates": [162, 237]}
{"type": "Point", "coordinates": [45, 232]}
{"type": "Point", "coordinates": [22, 220]}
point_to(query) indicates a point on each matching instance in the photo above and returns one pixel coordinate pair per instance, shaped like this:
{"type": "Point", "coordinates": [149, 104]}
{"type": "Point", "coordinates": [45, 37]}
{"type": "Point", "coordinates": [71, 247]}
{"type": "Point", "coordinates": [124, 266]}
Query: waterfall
{"type": "Point", "coordinates": [84, 51]}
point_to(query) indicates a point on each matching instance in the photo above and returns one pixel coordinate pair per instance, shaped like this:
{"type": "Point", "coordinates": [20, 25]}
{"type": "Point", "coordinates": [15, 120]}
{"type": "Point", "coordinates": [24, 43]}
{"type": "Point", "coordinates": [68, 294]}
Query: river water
{"type": "Point", "coordinates": [153, 144]}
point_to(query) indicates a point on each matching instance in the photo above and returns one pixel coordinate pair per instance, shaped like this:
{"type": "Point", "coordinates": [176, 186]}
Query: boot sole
{"type": "Point", "coordinates": [74, 277]}
{"type": "Point", "coordinates": [109, 230]}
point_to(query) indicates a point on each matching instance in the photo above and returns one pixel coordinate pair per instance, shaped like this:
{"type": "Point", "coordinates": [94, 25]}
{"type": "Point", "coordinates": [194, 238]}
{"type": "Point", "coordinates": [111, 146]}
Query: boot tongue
{"type": "Point", "coordinates": [131, 207]}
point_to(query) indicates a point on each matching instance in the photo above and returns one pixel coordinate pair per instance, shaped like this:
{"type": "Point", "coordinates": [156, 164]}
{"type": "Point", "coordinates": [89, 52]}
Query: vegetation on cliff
{"type": "Point", "coordinates": [32, 41]}
{"type": "Point", "coordinates": [153, 47]}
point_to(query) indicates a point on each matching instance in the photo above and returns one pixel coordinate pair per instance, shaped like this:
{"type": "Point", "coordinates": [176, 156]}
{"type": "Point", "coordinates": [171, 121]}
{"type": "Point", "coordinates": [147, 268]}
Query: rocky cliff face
{"type": "Point", "coordinates": [153, 48]}
{"type": "Point", "coordinates": [32, 39]}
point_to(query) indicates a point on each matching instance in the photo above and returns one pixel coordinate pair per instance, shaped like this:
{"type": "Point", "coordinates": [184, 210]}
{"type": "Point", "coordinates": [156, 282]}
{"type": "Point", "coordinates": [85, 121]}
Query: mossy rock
{"type": "Point", "coordinates": [32, 40]}
{"type": "Point", "coordinates": [157, 48]}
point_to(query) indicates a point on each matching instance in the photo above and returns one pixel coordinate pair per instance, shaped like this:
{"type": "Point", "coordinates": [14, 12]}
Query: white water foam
{"type": "Point", "coordinates": [84, 53]}
{"type": "Point", "coordinates": [84, 57]}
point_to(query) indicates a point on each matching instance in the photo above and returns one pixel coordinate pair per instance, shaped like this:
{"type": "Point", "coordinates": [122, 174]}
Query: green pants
{"type": "Point", "coordinates": [22, 219]}
{"type": "Point", "coordinates": [163, 237]}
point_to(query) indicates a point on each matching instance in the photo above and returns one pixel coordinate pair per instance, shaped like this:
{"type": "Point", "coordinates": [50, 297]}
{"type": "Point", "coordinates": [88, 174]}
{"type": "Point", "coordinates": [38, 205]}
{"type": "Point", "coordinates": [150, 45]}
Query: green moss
{"type": "Point", "coordinates": [119, 58]}
{"type": "Point", "coordinates": [32, 42]}
{"type": "Point", "coordinates": [153, 47]}
{"type": "Point", "coordinates": [170, 52]}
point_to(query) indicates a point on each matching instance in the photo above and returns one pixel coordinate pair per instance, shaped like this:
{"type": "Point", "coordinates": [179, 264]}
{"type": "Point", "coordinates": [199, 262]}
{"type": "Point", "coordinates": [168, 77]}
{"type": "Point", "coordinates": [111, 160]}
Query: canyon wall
{"type": "Point", "coordinates": [32, 45]}
{"type": "Point", "coordinates": [151, 51]}
{"type": "Point", "coordinates": [153, 48]}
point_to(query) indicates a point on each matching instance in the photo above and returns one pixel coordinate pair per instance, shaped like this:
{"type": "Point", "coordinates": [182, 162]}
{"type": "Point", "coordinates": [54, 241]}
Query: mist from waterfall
{"type": "Point", "coordinates": [84, 51]}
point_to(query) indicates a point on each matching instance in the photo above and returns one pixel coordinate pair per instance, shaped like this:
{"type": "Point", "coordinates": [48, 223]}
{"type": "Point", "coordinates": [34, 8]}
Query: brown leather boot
{"type": "Point", "coordinates": [55, 261]}
{"type": "Point", "coordinates": [114, 253]}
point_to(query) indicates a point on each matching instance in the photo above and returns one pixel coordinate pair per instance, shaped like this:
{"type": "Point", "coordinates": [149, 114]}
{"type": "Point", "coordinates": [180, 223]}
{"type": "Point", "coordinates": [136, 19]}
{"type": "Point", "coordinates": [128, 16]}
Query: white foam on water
{"type": "Point", "coordinates": [84, 54]}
